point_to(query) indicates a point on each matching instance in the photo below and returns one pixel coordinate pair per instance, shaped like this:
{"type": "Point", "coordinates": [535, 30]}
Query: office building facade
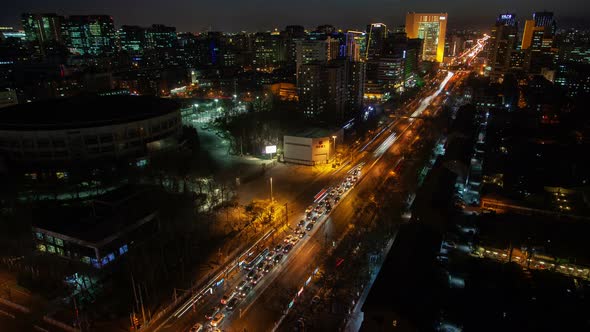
{"type": "Point", "coordinates": [90, 34]}
{"type": "Point", "coordinates": [432, 29]}
{"type": "Point", "coordinates": [503, 40]}
{"type": "Point", "coordinates": [376, 35]}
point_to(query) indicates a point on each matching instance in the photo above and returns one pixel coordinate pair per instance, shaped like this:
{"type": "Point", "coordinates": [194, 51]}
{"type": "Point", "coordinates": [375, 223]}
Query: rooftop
{"type": "Point", "coordinates": [117, 212]}
{"type": "Point", "coordinates": [83, 112]}
{"type": "Point", "coordinates": [315, 132]}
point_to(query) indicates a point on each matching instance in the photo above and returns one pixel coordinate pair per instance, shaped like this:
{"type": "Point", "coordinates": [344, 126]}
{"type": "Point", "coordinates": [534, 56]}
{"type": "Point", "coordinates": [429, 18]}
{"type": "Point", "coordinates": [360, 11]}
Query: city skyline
{"type": "Point", "coordinates": [230, 16]}
{"type": "Point", "coordinates": [302, 166]}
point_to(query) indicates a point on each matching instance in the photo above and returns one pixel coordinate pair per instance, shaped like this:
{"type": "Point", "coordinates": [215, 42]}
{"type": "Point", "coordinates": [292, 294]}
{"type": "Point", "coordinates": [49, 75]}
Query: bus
{"type": "Point", "coordinates": [252, 260]}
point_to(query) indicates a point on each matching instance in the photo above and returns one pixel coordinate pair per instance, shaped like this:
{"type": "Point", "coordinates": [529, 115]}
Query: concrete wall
{"type": "Point", "coordinates": [298, 150]}
{"type": "Point", "coordinates": [310, 151]}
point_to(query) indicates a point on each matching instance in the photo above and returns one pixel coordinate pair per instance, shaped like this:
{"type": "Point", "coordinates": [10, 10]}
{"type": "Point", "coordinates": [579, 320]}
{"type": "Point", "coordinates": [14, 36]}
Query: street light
{"type": "Point", "coordinates": [271, 197]}
{"type": "Point", "coordinates": [334, 138]}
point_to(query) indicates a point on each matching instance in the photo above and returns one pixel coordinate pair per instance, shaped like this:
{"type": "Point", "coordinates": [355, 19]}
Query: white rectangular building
{"type": "Point", "coordinates": [314, 146]}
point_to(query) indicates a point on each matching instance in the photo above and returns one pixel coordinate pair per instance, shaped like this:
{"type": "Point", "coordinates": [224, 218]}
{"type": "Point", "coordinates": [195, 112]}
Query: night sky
{"type": "Point", "coordinates": [253, 15]}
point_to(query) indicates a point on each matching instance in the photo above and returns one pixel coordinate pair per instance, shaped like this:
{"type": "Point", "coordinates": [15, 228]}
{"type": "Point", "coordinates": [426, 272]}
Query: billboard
{"type": "Point", "coordinates": [270, 149]}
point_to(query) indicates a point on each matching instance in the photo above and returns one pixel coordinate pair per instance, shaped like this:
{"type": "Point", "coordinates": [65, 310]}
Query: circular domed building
{"type": "Point", "coordinates": [89, 128]}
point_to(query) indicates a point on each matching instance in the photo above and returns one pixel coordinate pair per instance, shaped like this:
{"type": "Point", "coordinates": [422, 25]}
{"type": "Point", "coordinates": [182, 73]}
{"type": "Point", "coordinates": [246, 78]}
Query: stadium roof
{"type": "Point", "coordinates": [83, 112]}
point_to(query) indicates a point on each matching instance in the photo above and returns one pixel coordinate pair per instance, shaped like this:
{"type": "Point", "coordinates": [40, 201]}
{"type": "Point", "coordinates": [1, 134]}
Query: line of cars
{"type": "Point", "coordinates": [272, 257]}
{"type": "Point", "coordinates": [232, 298]}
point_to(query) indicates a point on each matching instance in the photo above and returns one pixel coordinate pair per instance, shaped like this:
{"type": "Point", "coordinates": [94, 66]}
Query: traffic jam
{"type": "Point", "coordinates": [258, 264]}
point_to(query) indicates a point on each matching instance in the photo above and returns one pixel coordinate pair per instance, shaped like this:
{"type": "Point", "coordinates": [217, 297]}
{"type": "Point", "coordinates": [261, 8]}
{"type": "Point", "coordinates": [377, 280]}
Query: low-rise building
{"type": "Point", "coordinates": [312, 146]}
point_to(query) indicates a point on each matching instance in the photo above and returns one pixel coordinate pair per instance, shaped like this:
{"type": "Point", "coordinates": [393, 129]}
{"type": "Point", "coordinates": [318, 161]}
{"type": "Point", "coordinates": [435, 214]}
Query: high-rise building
{"type": "Point", "coordinates": [331, 91]}
{"type": "Point", "coordinates": [355, 45]}
{"type": "Point", "coordinates": [527, 34]}
{"type": "Point", "coordinates": [537, 39]}
{"type": "Point", "coordinates": [159, 36]}
{"type": "Point", "coordinates": [545, 19]}
{"type": "Point", "coordinates": [503, 41]}
{"type": "Point", "coordinates": [314, 50]}
{"type": "Point", "coordinates": [396, 66]}
{"type": "Point", "coordinates": [42, 30]}
{"type": "Point", "coordinates": [90, 34]}
{"type": "Point", "coordinates": [541, 27]}
{"type": "Point", "coordinates": [355, 82]}
{"type": "Point", "coordinates": [269, 50]}
{"type": "Point", "coordinates": [291, 35]}
{"type": "Point", "coordinates": [376, 35]}
{"type": "Point", "coordinates": [431, 28]}
{"type": "Point", "coordinates": [132, 39]}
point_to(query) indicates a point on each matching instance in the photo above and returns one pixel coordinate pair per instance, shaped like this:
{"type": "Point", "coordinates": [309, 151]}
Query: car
{"type": "Point", "coordinates": [227, 297]}
{"type": "Point", "coordinates": [198, 327]}
{"type": "Point", "coordinates": [287, 248]}
{"type": "Point", "coordinates": [301, 234]}
{"type": "Point", "coordinates": [231, 305]}
{"type": "Point", "coordinates": [309, 216]}
{"type": "Point", "coordinates": [279, 248]}
{"type": "Point", "coordinates": [309, 209]}
{"type": "Point", "coordinates": [309, 226]}
{"type": "Point", "coordinates": [278, 258]}
{"type": "Point", "coordinates": [269, 256]}
{"type": "Point", "coordinates": [251, 275]}
{"type": "Point", "coordinates": [336, 200]}
{"type": "Point", "coordinates": [354, 179]}
{"type": "Point", "coordinates": [211, 313]}
{"type": "Point", "coordinates": [314, 219]}
{"type": "Point", "coordinates": [245, 291]}
{"type": "Point", "coordinates": [241, 285]}
{"type": "Point", "coordinates": [268, 267]}
{"type": "Point", "coordinates": [301, 223]}
{"type": "Point", "coordinates": [217, 319]}
{"type": "Point", "coordinates": [288, 238]}
{"type": "Point", "coordinates": [260, 266]}
{"type": "Point", "coordinates": [294, 240]}
{"type": "Point", "coordinates": [255, 280]}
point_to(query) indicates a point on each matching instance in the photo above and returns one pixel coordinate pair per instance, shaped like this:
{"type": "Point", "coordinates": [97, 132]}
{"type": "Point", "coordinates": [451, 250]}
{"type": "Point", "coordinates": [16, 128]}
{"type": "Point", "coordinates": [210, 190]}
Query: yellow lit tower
{"type": "Point", "coordinates": [431, 28]}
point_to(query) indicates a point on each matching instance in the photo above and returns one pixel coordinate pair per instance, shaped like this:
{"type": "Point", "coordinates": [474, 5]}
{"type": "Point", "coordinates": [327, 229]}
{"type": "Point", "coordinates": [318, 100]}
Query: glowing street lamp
{"type": "Point", "coordinates": [271, 196]}
{"type": "Point", "coordinates": [334, 138]}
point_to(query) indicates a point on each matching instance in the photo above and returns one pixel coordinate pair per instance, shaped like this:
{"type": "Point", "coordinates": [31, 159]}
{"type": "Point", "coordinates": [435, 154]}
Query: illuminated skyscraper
{"type": "Point", "coordinates": [132, 39]}
{"type": "Point", "coordinates": [269, 50]}
{"type": "Point", "coordinates": [355, 45]}
{"type": "Point", "coordinates": [537, 40]}
{"type": "Point", "coordinates": [159, 36]}
{"type": "Point", "coordinates": [502, 44]}
{"type": "Point", "coordinates": [314, 50]}
{"type": "Point", "coordinates": [42, 30]}
{"type": "Point", "coordinates": [90, 34]}
{"type": "Point", "coordinates": [376, 35]}
{"type": "Point", "coordinates": [545, 19]}
{"type": "Point", "coordinates": [431, 28]}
